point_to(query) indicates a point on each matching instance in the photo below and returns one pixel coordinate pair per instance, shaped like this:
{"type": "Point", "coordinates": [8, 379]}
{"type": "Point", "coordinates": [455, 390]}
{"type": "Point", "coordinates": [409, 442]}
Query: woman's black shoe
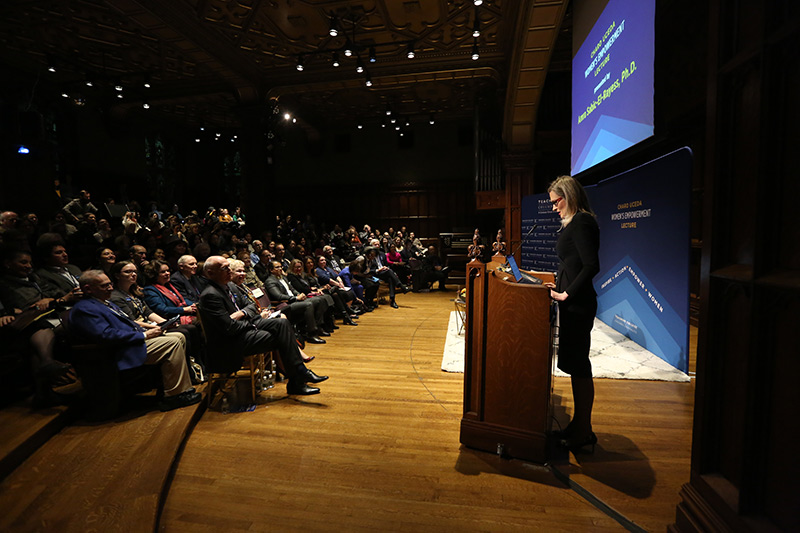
{"type": "Point", "coordinates": [574, 444]}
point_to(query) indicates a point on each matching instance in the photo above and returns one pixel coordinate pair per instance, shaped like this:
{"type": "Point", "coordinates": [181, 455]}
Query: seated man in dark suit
{"type": "Point", "coordinates": [232, 334]}
{"type": "Point", "coordinates": [98, 320]}
{"type": "Point", "coordinates": [383, 272]}
{"type": "Point", "coordinates": [59, 278]}
{"type": "Point", "coordinates": [186, 280]}
{"type": "Point", "coordinates": [310, 310]}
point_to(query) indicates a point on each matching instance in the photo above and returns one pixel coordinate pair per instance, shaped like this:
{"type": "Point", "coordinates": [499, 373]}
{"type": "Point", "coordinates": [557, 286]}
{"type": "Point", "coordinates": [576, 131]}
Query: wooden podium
{"type": "Point", "coordinates": [508, 363]}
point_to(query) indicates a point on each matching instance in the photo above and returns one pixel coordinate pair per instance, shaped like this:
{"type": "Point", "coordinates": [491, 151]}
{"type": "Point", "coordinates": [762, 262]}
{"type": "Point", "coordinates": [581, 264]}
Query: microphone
{"type": "Point", "coordinates": [524, 237]}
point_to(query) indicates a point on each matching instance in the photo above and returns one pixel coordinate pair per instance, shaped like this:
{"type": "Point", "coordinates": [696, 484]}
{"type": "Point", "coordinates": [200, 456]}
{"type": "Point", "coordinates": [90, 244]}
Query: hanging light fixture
{"type": "Point", "coordinates": [410, 53]}
{"type": "Point", "coordinates": [476, 27]}
{"type": "Point", "coordinates": [372, 57]}
{"type": "Point", "coordinates": [475, 52]}
{"type": "Point", "coordinates": [145, 104]}
{"type": "Point", "coordinates": [431, 120]}
{"type": "Point", "coordinates": [300, 63]}
{"type": "Point", "coordinates": [334, 30]}
{"type": "Point", "coordinates": [359, 66]}
{"type": "Point", "coordinates": [368, 81]}
{"type": "Point", "coordinates": [348, 48]}
{"type": "Point", "coordinates": [146, 83]}
{"type": "Point", "coordinates": [477, 2]}
{"type": "Point", "coordinates": [335, 59]}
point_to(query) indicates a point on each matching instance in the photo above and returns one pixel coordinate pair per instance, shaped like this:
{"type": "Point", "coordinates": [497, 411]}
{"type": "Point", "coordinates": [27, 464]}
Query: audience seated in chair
{"type": "Point", "coordinates": [95, 319]}
{"type": "Point", "coordinates": [232, 335]}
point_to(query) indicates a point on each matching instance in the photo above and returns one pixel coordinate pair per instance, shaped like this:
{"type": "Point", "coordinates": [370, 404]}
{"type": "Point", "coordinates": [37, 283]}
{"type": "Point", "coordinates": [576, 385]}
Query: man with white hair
{"type": "Point", "coordinates": [99, 320]}
{"type": "Point", "coordinates": [232, 334]}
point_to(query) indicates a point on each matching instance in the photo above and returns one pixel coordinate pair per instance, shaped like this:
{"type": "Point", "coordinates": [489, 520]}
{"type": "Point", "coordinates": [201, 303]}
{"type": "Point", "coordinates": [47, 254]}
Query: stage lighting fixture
{"type": "Point", "coordinates": [287, 116]}
{"type": "Point", "coordinates": [23, 150]}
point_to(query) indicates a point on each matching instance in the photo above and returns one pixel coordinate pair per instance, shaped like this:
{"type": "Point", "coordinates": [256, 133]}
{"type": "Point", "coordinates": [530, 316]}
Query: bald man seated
{"type": "Point", "coordinates": [232, 334]}
{"type": "Point", "coordinates": [98, 320]}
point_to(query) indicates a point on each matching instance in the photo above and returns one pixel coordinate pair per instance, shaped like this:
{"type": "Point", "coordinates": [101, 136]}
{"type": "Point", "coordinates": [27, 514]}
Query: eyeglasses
{"type": "Point", "coordinates": [555, 202]}
{"type": "Point", "coordinates": [127, 272]}
{"type": "Point", "coordinates": [108, 285]}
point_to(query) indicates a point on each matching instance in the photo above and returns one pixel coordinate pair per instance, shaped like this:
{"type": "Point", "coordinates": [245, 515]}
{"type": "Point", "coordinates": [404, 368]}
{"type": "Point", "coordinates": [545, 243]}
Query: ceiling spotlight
{"type": "Point", "coordinates": [476, 28]}
{"type": "Point", "coordinates": [146, 83]}
{"type": "Point", "coordinates": [408, 123]}
{"type": "Point", "coordinates": [232, 139]}
{"type": "Point", "coordinates": [197, 139]}
{"type": "Point", "coordinates": [119, 95]}
{"type": "Point", "coordinates": [397, 128]}
{"type": "Point", "coordinates": [335, 59]}
{"type": "Point", "coordinates": [51, 68]}
{"type": "Point", "coordinates": [202, 127]}
{"type": "Point", "coordinates": [393, 120]}
{"type": "Point", "coordinates": [118, 86]}
{"type": "Point", "coordinates": [475, 53]}
{"type": "Point", "coordinates": [88, 82]}
{"type": "Point", "coordinates": [348, 49]}
{"type": "Point", "coordinates": [477, 2]}
{"type": "Point", "coordinates": [287, 116]}
{"type": "Point", "coordinates": [65, 95]}
{"type": "Point", "coordinates": [235, 136]}
{"type": "Point", "coordinates": [359, 66]}
{"type": "Point", "coordinates": [146, 104]}
{"type": "Point", "coordinates": [388, 110]}
{"type": "Point", "coordinates": [431, 120]}
{"type": "Point", "coordinates": [368, 81]}
{"type": "Point", "coordinates": [217, 135]}
{"type": "Point", "coordinates": [360, 126]}
{"type": "Point", "coordinates": [410, 54]}
{"type": "Point", "coordinates": [334, 31]}
{"type": "Point", "coordinates": [294, 120]}
{"type": "Point", "coordinates": [23, 150]}
{"type": "Point", "coordinates": [372, 57]}
{"type": "Point", "coordinates": [300, 62]}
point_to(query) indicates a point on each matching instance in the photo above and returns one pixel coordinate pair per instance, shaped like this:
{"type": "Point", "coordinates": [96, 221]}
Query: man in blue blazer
{"type": "Point", "coordinates": [98, 320]}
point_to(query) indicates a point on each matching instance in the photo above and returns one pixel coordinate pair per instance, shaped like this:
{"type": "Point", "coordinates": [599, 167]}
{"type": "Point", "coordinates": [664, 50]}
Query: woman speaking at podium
{"type": "Point", "coordinates": [577, 250]}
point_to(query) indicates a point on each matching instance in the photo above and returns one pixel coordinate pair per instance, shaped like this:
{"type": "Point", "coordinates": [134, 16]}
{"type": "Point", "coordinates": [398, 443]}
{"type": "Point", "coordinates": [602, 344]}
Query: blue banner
{"type": "Point", "coordinates": [643, 285]}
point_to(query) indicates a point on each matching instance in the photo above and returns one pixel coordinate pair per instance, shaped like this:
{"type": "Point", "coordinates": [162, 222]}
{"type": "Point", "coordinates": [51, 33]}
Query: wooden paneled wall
{"type": "Point", "coordinates": [744, 460]}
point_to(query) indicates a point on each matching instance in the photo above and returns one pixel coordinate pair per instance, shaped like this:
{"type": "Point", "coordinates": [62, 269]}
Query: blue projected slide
{"type": "Point", "coordinates": [612, 82]}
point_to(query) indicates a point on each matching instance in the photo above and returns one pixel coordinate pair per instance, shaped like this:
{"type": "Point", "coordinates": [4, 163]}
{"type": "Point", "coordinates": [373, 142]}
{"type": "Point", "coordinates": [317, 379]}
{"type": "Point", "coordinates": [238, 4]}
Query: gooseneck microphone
{"type": "Point", "coordinates": [524, 237]}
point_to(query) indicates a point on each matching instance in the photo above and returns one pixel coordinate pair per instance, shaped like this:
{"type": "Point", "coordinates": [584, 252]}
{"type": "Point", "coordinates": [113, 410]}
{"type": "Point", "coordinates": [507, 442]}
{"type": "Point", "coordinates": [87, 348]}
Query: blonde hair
{"type": "Point", "coordinates": [235, 263]}
{"type": "Point", "coordinates": [574, 196]}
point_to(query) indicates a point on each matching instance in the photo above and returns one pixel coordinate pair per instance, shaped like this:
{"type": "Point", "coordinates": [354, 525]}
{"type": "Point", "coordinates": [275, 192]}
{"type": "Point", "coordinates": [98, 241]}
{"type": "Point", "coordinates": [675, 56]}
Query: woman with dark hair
{"type": "Point", "coordinates": [163, 297]}
{"type": "Point", "coordinates": [577, 248]}
{"type": "Point", "coordinates": [129, 297]}
{"type": "Point", "coordinates": [105, 259]}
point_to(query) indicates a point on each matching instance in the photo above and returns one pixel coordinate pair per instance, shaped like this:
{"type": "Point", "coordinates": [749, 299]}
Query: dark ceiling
{"type": "Point", "coordinates": [215, 62]}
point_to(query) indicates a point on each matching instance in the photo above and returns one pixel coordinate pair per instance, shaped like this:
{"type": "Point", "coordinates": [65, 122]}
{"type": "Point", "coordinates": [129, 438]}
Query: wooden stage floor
{"type": "Point", "coordinates": [379, 450]}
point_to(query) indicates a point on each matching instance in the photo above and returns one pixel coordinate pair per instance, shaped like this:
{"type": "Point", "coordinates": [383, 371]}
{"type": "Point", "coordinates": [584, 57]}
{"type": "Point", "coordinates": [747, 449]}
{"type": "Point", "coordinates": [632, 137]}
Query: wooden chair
{"type": "Point", "coordinates": [254, 369]}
